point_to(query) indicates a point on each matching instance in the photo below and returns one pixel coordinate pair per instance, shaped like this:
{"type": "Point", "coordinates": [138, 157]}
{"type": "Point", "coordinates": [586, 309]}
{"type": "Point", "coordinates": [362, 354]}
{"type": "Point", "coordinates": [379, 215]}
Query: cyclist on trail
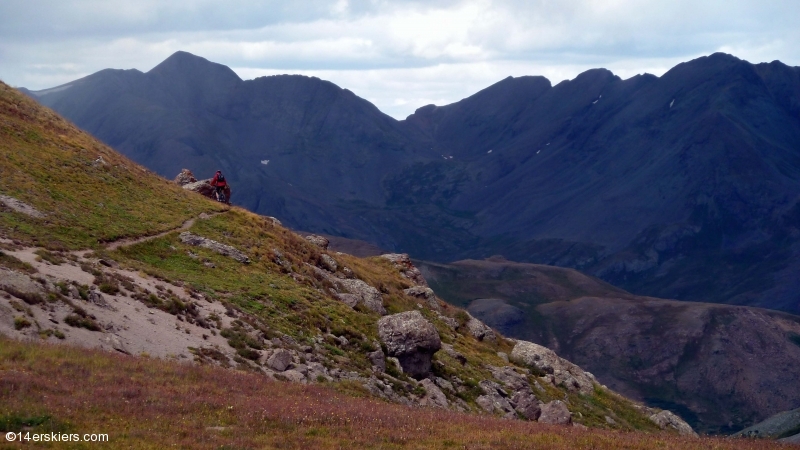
{"type": "Point", "coordinates": [219, 184]}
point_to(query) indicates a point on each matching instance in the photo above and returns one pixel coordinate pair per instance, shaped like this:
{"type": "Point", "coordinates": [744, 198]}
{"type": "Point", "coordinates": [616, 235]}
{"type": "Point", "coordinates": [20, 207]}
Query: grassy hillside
{"type": "Point", "coordinates": [90, 193]}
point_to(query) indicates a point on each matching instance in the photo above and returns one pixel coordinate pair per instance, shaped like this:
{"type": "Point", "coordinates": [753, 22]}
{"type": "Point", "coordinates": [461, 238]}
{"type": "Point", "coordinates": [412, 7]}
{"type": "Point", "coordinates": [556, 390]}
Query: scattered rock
{"type": "Point", "coordinates": [555, 413]}
{"type": "Point", "coordinates": [666, 419]}
{"type": "Point", "coordinates": [20, 207]}
{"type": "Point", "coordinates": [279, 360]}
{"type": "Point", "coordinates": [412, 339]}
{"type": "Point", "coordinates": [365, 294]}
{"type": "Point", "coordinates": [480, 330]}
{"type": "Point", "coordinates": [378, 360]}
{"type": "Point", "coordinates": [424, 293]}
{"type": "Point", "coordinates": [403, 263]}
{"type": "Point", "coordinates": [319, 241]}
{"type": "Point", "coordinates": [328, 263]}
{"type": "Point", "coordinates": [185, 177]}
{"type": "Point", "coordinates": [560, 370]}
{"type": "Point", "coordinates": [294, 376]}
{"type": "Point", "coordinates": [495, 399]}
{"type": "Point", "coordinates": [225, 250]}
{"type": "Point", "coordinates": [454, 354]}
{"type": "Point", "coordinates": [525, 403]}
{"type": "Point", "coordinates": [434, 396]}
{"type": "Point", "coordinates": [449, 321]}
{"type": "Point", "coordinates": [114, 341]}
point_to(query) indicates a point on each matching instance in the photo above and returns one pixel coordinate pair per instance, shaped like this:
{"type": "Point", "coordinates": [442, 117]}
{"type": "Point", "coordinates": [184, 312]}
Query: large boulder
{"type": "Point", "coordinates": [412, 339]}
{"type": "Point", "coordinates": [559, 370]}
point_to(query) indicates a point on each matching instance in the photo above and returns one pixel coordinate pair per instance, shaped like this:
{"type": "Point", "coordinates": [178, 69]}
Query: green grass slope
{"type": "Point", "coordinates": [91, 194]}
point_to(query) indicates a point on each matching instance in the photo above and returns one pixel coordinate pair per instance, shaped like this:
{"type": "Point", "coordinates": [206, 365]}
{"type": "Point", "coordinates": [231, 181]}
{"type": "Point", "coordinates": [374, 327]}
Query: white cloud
{"type": "Point", "coordinates": [399, 54]}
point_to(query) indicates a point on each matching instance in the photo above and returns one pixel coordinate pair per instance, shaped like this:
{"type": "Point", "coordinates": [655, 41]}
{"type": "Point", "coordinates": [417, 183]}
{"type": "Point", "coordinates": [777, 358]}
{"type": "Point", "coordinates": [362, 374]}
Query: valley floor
{"type": "Point", "coordinates": [150, 403]}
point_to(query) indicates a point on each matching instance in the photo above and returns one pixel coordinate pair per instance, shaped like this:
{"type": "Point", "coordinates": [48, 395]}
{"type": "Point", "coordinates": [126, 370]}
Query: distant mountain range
{"type": "Point", "coordinates": [682, 186]}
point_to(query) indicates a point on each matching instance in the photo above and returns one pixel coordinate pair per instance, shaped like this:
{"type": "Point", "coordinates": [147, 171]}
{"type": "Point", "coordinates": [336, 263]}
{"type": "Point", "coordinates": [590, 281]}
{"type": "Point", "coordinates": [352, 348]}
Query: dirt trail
{"type": "Point", "coordinates": [138, 240]}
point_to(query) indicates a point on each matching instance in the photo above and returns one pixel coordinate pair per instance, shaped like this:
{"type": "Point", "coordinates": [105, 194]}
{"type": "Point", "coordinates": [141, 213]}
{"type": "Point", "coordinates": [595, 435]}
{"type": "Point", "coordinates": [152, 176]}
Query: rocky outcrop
{"type": "Point", "coordinates": [187, 180]}
{"type": "Point", "coordinates": [424, 293]}
{"type": "Point", "coordinates": [557, 369]}
{"type": "Point", "coordinates": [555, 413]}
{"type": "Point", "coordinates": [412, 339]}
{"type": "Point", "coordinates": [359, 292]}
{"type": "Point", "coordinates": [225, 250]}
{"type": "Point", "coordinates": [433, 395]}
{"type": "Point", "coordinates": [21, 286]}
{"type": "Point", "coordinates": [480, 330]}
{"type": "Point", "coordinates": [403, 263]}
{"type": "Point", "coordinates": [185, 177]}
{"type": "Point", "coordinates": [319, 241]}
{"type": "Point", "coordinates": [20, 207]}
{"type": "Point", "coordinates": [494, 399]}
{"type": "Point", "coordinates": [667, 420]}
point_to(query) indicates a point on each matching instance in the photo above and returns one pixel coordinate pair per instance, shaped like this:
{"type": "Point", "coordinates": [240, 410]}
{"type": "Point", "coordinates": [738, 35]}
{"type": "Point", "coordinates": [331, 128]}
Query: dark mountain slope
{"type": "Point", "coordinates": [682, 186]}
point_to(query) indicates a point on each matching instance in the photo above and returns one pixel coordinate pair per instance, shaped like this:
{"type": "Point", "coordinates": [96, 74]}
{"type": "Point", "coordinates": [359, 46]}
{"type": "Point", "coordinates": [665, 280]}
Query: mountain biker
{"type": "Point", "coordinates": [219, 184]}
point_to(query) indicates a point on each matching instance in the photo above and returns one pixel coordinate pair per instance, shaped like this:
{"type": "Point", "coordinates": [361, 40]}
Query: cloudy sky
{"type": "Point", "coordinates": [400, 55]}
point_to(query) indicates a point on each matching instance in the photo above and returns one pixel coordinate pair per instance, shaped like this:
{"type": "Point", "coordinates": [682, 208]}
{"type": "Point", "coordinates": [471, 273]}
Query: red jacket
{"type": "Point", "coordinates": [217, 182]}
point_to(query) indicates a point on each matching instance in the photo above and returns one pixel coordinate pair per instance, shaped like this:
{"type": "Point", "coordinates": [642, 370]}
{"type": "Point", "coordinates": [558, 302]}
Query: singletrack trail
{"type": "Point", "coordinates": [127, 242]}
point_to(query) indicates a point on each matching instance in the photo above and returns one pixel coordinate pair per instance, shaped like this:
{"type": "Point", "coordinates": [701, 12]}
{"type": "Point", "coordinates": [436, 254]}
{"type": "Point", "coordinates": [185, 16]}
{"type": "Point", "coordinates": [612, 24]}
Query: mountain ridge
{"type": "Point", "coordinates": [680, 186]}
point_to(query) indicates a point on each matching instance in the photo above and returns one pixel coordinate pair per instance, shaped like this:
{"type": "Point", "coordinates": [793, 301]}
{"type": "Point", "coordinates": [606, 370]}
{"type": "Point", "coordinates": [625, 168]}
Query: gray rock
{"type": "Point", "coordinates": [328, 263]}
{"type": "Point", "coordinates": [403, 263]}
{"type": "Point", "coordinates": [378, 359]}
{"type": "Point", "coordinates": [503, 356]}
{"type": "Point", "coordinates": [20, 207]}
{"type": "Point", "coordinates": [294, 376]}
{"type": "Point", "coordinates": [666, 419]}
{"type": "Point", "coordinates": [495, 399]}
{"type": "Point", "coordinates": [279, 360]}
{"type": "Point", "coordinates": [116, 343]}
{"type": "Point", "coordinates": [480, 330]}
{"type": "Point", "coordinates": [451, 352]}
{"type": "Point", "coordinates": [412, 339]}
{"type": "Point", "coordinates": [555, 413]}
{"type": "Point", "coordinates": [434, 396]}
{"type": "Point", "coordinates": [21, 286]}
{"type": "Point", "coordinates": [525, 403]}
{"type": "Point", "coordinates": [319, 241]}
{"type": "Point", "coordinates": [367, 295]}
{"type": "Point", "coordinates": [449, 321]}
{"type": "Point", "coordinates": [424, 293]}
{"type": "Point", "coordinates": [225, 250]}
{"type": "Point", "coordinates": [185, 177]}
{"type": "Point", "coordinates": [562, 371]}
